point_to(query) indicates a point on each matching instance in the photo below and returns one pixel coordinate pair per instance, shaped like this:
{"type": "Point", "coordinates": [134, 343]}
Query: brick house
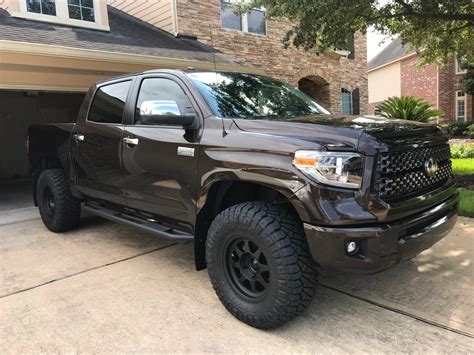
{"type": "Point", "coordinates": [337, 80]}
{"type": "Point", "coordinates": [393, 72]}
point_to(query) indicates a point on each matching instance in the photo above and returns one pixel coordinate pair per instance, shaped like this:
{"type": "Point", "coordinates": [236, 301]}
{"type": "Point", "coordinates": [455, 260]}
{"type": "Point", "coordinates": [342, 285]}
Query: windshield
{"type": "Point", "coordinates": [238, 95]}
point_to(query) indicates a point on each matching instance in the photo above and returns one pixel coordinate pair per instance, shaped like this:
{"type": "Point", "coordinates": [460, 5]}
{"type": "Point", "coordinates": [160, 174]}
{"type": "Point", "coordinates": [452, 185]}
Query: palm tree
{"type": "Point", "coordinates": [408, 108]}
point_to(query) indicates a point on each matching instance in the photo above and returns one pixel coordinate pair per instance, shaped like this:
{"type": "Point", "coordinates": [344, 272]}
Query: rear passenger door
{"type": "Point", "coordinates": [160, 164]}
{"type": "Point", "coordinates": [97, 144]}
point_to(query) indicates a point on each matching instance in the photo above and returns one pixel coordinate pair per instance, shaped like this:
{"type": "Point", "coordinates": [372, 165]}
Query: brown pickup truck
{"type": "Point", "coordinates": [265, 182]}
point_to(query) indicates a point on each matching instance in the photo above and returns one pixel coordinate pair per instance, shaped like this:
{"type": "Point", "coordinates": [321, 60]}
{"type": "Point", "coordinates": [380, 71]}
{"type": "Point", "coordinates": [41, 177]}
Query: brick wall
{"type": "Point", "coordinates": [329, 73]}
{"type": "Point", "coordinates": [449, 83]}
{"type": "Point", "coordinates": [438, 86]}
{"type": "Point", "coordinates": [419, 82]}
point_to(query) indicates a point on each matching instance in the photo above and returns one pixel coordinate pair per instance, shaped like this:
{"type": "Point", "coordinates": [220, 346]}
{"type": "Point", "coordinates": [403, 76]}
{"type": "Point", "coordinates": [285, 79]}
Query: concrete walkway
{"type": "Point", "coordinates": [109, 288]}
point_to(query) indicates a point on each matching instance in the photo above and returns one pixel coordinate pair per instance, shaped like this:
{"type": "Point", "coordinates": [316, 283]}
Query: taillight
{"type": "Point", "coordinates": [27, 143]}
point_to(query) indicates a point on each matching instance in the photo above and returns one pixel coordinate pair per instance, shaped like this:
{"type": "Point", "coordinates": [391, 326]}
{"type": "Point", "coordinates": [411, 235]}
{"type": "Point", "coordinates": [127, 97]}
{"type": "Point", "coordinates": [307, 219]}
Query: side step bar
{"type": "Point", "coordinates": [129, 220]}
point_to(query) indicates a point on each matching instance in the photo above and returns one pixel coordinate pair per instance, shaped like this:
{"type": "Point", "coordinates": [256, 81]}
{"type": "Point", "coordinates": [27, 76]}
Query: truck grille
{"type": "Point", "coordinates": [403, 174]}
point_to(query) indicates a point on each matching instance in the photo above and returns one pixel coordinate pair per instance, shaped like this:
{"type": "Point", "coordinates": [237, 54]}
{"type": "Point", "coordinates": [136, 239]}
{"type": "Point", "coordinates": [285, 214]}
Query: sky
{"type": "Point", "coordinates": [373, 43]}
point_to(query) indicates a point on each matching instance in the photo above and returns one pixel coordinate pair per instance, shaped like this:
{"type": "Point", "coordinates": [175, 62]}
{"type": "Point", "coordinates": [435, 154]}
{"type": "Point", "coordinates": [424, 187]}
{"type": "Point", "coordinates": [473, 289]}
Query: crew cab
{"type": "Point", "coordinates": [267, 184]}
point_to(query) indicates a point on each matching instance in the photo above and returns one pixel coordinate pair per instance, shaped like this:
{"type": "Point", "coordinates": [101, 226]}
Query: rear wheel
{"type": "Point", "coordinates": [59, 209]}
{"type": "Point", "coordinates": [259, 264]}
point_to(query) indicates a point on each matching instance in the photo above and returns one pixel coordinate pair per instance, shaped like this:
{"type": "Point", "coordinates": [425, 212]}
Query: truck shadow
{"type": "Point", "coordinates": [435, 286]}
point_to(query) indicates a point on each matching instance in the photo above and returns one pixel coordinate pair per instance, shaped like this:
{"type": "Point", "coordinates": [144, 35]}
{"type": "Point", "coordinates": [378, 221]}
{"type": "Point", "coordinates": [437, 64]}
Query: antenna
{"type": "Point", "coordinates": [224, 133]}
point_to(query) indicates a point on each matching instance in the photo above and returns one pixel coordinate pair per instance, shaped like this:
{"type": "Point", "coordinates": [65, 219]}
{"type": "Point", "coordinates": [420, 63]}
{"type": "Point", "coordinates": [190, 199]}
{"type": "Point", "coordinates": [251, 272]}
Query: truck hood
{"type": "Point", "coordinates": [366, 134]}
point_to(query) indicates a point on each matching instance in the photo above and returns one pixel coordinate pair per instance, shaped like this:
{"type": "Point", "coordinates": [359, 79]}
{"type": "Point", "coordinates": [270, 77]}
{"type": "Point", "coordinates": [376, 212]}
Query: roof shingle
{"type": "Point", "coordinates": [127, 35]}
{"type": "Point", "coordinates": [391, 52]}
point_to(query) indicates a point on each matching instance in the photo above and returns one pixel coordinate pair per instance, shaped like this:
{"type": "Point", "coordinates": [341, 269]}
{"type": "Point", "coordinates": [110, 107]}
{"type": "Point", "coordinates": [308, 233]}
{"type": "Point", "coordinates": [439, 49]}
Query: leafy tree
{"type": "Point", "coordinates": [468, 79]}
{"type": "Point", "coordinates": [438, 29]}
{"type": "Point", "coordinates": [408, 108]}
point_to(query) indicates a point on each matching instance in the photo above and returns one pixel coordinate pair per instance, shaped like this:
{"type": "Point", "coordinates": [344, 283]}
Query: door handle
{"type": "Point", "coordinates": [130, 141]}
{"type": "Point", "coordinates": [79, 137]}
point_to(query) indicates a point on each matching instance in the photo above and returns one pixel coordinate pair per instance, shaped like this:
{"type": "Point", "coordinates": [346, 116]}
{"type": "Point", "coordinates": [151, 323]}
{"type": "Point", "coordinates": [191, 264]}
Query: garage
{"type": "Point", "coordinates": [20, 109]}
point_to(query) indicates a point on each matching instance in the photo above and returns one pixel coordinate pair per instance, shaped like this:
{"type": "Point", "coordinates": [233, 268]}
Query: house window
{"type": "Point", "coordinates": [45, 7]}
{"type": "Point", "coordinates": [460, 106]}
{"type": "Point", "coordinates": [81, 10]}
{"type": "Point", "coordinates": [252, 22]}
{"type": "Point", "coordinates": [229, 18]}
{"type": "Point", "coordinates": [461, 66]}
{"type": "Point", "coordinates": [346, 102]}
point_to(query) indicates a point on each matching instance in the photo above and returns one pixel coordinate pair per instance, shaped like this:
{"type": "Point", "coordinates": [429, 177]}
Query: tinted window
{"type": "Point", "coordinates": [229, 18]}
{"type": "Point", "coordinates": [109, 103]}
{"type": "Point", "coordinates": [161, 92]}
{"type": "Point", "coordinates": [238, 95]}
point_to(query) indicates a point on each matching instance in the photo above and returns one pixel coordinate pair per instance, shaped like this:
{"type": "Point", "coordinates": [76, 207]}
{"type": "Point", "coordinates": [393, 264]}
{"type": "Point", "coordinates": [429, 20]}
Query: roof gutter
{"type": "Point", "coordinates": [116, 57]}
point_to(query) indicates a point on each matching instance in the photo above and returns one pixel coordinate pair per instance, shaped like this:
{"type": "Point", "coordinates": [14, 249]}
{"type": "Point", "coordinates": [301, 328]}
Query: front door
{"type": "Point", "coordinates": [97, 145]}
{"type": "Point", "coordinates": [160, 161]}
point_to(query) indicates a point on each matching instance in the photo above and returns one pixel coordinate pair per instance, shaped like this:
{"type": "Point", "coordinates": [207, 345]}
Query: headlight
{"type": "Point", "coordinates": [337, 169]}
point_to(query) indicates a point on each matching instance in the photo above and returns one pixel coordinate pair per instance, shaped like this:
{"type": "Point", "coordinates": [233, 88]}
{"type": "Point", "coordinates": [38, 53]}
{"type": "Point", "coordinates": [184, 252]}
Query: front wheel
{"type": "Point", "coordinates": [259, 264]}
{"type": "Point", "coordinates": [59, 209]}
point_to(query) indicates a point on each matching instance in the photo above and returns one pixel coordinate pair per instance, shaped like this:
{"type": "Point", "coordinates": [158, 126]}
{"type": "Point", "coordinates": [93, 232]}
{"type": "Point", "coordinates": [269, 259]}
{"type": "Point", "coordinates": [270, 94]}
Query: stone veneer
{"type": "Point", "coordinates": [324, 76]}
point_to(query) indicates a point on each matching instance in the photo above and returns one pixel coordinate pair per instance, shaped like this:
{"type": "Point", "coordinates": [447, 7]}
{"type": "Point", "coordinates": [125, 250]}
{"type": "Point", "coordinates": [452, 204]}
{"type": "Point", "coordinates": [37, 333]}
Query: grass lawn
{"type": "Point", "coordinates": [466, 204]}
{"type": "Point", "coordinates": [463, 166]}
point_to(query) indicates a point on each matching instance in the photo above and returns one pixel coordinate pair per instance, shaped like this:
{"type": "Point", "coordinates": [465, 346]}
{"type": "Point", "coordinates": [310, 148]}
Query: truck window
{"type": "Point", "coordinates": [156, 92]}
{"type": "Point", "coordinates": [109, 102]}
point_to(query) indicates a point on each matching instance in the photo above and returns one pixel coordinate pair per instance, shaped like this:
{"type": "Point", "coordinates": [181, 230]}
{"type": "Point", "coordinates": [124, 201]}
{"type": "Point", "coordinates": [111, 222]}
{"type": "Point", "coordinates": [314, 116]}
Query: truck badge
{"type": "Point", "coordinates": [431, 167]}
{"type": "Point", "coordinates": [185, 151]}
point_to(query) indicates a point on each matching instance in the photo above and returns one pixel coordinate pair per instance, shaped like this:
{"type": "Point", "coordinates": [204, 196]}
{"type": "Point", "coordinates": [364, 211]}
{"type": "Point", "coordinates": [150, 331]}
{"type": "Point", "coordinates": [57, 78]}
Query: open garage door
{"type": "Point", "coordinates": [18, 110]}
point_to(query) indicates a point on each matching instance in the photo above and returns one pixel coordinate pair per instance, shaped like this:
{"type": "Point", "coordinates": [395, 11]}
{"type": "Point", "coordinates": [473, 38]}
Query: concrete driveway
{"type": "Point", "coordinates": [109, 288]}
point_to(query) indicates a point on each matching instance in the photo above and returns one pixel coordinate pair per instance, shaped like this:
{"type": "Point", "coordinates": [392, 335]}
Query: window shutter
{"type": "Point", "coordinates": [356, 102]}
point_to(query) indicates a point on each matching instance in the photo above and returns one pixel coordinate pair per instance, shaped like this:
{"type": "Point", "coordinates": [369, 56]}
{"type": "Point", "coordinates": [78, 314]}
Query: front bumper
{"type": "Point", "coordinates": [381, 245]}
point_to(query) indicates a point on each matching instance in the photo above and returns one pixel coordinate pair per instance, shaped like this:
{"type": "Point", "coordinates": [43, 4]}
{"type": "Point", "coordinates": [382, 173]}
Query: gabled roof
{"type": "Point", "coordinates": [127, 35]}
{"type": "Point", "coordinates": [393, 51]}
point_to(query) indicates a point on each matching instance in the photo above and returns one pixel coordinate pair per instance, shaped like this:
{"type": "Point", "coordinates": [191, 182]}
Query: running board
{"type": "Point", "coordinates": [129, 220]}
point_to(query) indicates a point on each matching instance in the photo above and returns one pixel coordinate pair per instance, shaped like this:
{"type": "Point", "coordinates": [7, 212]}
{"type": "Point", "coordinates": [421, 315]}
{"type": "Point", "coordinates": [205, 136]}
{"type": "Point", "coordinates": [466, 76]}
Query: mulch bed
{"type": "Point", "coordinates": [466, 181]}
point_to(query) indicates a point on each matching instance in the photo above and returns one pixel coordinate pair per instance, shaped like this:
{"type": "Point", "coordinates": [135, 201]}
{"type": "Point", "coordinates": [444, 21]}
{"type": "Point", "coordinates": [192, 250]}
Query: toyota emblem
{"type": "Point", "coordinates": [431, 167]}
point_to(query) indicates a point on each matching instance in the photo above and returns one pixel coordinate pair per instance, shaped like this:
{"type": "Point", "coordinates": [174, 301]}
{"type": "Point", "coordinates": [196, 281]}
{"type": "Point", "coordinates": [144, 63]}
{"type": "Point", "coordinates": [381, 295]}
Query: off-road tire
{"type": "Point", "coordinates": [292, 272]}
{"type": "Point", "coordinates": [59, 209]}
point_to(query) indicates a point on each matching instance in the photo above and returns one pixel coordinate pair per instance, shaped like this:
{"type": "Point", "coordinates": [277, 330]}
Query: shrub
{"type": "Point", "coordinates": [408, 108]}
{"type": "Point", "coordinates": [470, 131]}
{"type": "Point", "coordinates": [462, 150]}
{"type": "Point", "coordinates": [457, 129]}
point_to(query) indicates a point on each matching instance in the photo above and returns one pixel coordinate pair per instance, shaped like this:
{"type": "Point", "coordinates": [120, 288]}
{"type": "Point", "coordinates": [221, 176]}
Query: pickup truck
{"type": "Point", "coordinates": [267, 184]}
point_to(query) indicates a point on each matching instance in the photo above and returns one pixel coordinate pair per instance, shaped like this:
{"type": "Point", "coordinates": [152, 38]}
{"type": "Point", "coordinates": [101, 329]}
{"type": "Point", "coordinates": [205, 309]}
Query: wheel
{"type": "Point", "coordinates": [59, 209]}
{"type": "Point", "coordinates": [259, 264]}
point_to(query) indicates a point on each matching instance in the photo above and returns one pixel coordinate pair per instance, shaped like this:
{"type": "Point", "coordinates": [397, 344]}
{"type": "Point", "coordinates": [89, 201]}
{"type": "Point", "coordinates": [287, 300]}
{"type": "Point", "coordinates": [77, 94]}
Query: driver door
{"type": "Point", "coordinates": [160, 180]}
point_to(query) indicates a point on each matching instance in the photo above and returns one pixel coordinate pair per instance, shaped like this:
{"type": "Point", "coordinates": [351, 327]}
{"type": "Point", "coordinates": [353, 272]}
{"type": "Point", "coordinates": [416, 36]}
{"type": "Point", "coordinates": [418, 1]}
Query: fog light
{"type": "Point", "coordinates": [352, 247]}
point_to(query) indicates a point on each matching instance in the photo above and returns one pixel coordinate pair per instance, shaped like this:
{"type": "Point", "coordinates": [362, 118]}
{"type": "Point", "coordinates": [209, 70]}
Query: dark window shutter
{"type": "Point", "coordinates": [356, 102]}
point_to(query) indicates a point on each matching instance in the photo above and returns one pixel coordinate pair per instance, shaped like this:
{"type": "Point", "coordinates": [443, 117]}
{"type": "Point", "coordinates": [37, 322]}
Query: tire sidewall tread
{"type": "Point", "coordinates": [293, 272]}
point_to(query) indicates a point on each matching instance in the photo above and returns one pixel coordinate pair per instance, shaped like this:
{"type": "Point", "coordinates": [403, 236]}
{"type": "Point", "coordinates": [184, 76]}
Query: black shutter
{"type": "Point", "coordinates": [356, 102]}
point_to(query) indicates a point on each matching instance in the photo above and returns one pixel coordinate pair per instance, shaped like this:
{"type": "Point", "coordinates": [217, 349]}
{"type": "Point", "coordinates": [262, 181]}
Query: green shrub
{"type": "Point", "coordinates": [462, 150]}
{"type": "Point", "coordinates": [408, 108]}
{"type": "Point", "coordinates": [466, 202]}
{"type": "Point", "coordinates": [470, 131]}
{"type": "Point", "coordinates": [457, 129]}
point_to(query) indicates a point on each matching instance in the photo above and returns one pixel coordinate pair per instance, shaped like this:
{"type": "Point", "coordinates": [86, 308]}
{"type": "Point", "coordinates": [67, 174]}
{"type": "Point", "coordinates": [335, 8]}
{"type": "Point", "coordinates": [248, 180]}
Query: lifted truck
{"type": "Point", "coordinates": [262, 179]}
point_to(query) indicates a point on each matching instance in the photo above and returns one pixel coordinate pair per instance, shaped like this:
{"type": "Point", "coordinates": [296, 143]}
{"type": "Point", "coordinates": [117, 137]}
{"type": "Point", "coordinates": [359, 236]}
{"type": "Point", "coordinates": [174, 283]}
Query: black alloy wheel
{"type": "Point", "coordinates": [247, 267]}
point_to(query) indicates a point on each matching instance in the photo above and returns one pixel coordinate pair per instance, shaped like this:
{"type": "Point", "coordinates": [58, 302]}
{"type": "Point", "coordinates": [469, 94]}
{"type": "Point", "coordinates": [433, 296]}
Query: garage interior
{"type": "Point", "coordinates": [18, 110]}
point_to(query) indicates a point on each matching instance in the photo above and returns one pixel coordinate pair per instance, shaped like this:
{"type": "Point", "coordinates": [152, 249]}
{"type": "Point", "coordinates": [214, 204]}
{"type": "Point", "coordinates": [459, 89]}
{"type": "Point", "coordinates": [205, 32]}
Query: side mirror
{"type": "Point", "coordinates": [164, 112]}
